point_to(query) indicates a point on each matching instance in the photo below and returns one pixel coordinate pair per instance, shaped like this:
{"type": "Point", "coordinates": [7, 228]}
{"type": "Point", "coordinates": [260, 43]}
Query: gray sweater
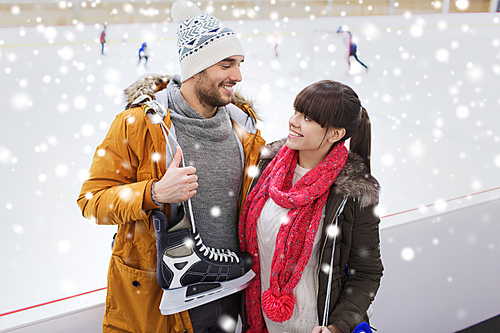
{"type": "Point", "coordinates": [210, 146]}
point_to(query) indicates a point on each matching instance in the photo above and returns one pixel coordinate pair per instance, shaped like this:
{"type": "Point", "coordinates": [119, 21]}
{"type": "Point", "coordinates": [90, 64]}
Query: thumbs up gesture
{"type": "Point", "coordinates": [177, 184]}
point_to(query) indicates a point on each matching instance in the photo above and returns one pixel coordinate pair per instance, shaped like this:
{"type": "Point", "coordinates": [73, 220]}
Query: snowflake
{"type": "Point", "coordinates": [332, 231]}
{"type": "Point", "coordinates": [387, 160]}
{"type": "Point", "coordinates": [407, 254]}
{"type": "Point", "coordinates": [125, 194]}
{"type": "Point", "coordinates": [380, 210]}
{"type": "Point", "coordinates": [87, 130]}
{"type": "Point", "coordinates": [227, 323]}
{"type": "Point", "coordinates": [440, 205]}
{"type": "Point", "coordinates": [18, 229]}
{"type": "Point", "coordinates": [6, 155]}
{"type": "Point", "coordinates": [21, 101]}
{"type": "Point", "coordinates": [215, 211]}
{"type": "Point", "coordinates": [63, 246]}
{"type": "Point", "coordinates": [497, 161]}
{"type": "Point", "coordinates": [61, 170]}
{"type": "Point", "coordinates": [462, 112]}
{"type": "Point", "coordinates": [80, 102]}
{"type": "Point", "coordinates": [442, 55]}
{"type": "Point", "coordinates": [462, 4]}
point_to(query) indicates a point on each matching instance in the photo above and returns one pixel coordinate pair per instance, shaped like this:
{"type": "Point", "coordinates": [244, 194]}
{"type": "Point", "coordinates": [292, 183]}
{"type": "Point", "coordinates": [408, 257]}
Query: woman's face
{"type": "Point", "coordinates": [305, 134]}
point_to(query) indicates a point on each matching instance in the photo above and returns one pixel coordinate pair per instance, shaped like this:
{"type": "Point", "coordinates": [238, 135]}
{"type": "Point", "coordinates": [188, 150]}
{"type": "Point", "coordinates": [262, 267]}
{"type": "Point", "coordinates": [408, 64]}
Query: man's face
{"type": "Point", "coordinates": [214, 85]}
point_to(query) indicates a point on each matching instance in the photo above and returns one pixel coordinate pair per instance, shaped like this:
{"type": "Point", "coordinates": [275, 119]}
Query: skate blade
{"type": "Point", "coordinates": [175, 300]}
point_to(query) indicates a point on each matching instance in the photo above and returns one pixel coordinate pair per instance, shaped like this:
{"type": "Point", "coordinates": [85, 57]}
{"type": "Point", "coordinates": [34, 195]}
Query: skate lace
{"type": "Point", "coordinates": [215, 254]}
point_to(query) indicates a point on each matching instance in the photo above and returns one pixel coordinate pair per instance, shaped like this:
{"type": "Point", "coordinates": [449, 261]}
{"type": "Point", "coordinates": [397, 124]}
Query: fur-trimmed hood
{"type": "Point", "coordinates": [150, 84]}
{"type": "Point", "coordinates": [354, 180]}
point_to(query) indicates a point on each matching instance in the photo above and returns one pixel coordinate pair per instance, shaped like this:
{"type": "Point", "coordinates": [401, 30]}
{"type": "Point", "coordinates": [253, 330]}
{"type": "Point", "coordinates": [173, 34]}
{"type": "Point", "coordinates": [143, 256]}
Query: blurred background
{"type": "Point", "coordinates": [62, 12]}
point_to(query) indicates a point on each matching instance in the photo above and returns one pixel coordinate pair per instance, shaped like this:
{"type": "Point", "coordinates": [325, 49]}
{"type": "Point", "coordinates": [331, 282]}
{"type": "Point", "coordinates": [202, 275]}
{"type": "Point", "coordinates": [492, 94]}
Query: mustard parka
{"type": "Point", "coordinates": [118, 192]}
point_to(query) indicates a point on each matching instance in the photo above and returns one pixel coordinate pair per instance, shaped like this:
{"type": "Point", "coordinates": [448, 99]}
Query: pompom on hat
{"type": "Point", "coordinates": [202, 40]}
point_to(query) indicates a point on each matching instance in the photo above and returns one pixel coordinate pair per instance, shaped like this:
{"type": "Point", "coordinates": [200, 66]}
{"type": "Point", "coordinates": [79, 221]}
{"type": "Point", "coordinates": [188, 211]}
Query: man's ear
{"type": "Point", "coordinates": [336, 134]}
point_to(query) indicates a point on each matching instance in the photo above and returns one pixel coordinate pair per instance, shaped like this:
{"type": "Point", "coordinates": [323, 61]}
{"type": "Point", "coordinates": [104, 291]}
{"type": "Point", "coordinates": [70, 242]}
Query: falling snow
{"type": "Point", "coordinates": [215, 211]}
{"type": "Point", "coordinates": [18, 229]}
{"type": "Point", "coordinates": [63, 246]}
{"type": "Point", "coordinates": [332, 231]}
{"type": "Point", "coordinates": [125, 194]}
{"type": "Point", "coordinates": [407, 254]}
{"type": "Point", "coordinates": [430, 91]}
{"type": "Point", "coordinates": [227, 323]}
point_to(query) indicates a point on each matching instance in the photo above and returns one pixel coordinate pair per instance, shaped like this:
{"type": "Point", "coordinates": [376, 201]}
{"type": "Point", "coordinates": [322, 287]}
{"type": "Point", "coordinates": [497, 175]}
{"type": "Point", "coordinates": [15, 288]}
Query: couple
{"type": "Point", "coordinates": [321, 194]}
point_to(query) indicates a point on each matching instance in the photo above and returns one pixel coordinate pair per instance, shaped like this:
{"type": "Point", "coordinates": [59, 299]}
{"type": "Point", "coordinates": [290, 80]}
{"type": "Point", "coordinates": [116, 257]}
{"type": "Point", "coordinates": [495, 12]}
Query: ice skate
{"type": "Point", "coordinates": [190, 273]}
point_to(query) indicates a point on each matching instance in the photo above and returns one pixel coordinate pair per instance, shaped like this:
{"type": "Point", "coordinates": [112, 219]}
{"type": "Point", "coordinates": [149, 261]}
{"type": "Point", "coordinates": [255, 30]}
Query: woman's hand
{"type": "Point", "coordinates": [329, 329]}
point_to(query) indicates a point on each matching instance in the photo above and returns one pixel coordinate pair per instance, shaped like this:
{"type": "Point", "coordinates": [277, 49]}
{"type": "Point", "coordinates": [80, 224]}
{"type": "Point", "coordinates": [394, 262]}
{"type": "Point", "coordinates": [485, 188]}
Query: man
{"type": "Point", "coordinates": [139, 170]}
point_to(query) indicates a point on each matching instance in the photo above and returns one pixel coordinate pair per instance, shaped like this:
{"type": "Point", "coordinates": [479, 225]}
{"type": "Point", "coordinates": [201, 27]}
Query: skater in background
{"type": "Point", "coordinates": [353, 48]}
{"type": "Point", "coordinates": [103, 39]}
{"type": "Point", "coordinates": [134, 173]}
{"type": "Point", "coordinates": [143, 53]}
{"type": "Point", "coordinates": [275, 45]}
{"type": "Point", "coordinates": [308, 183]}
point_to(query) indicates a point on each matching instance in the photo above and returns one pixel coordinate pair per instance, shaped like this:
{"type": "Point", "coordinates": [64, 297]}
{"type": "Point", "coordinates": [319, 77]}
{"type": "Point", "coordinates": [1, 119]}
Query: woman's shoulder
{"type": "Point", "coordinates": [270, 150]}
{"type": "Point", "coordinates": [355, 181]}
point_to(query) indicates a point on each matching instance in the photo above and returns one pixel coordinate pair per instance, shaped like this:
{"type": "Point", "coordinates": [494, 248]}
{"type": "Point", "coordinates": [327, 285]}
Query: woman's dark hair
{"type": "Point", "coordinates": [333, 105]}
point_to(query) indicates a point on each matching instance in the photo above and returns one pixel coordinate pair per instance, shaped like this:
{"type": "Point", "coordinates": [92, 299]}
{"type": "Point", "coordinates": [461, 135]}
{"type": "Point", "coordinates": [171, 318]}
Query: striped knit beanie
{"type": "Point", "coordinates": [202, 40]}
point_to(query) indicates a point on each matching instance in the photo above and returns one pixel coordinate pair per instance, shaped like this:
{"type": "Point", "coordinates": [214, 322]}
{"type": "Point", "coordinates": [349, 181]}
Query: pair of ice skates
{"type": "Point", "coordinates": [191, 273]}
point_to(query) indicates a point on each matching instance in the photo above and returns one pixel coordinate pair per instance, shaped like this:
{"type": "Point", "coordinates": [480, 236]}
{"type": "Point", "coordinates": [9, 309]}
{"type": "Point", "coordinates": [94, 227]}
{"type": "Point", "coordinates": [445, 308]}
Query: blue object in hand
{"type": "Point", "coordinates": [363, 328]}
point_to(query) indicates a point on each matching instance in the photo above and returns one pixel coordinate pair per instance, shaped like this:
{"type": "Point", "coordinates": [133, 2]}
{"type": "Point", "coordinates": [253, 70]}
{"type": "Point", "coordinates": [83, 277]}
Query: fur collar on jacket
{"type": "Point", "coordinates": [353, 181]}
{"type": "Point", "coordinates": [150, 84]}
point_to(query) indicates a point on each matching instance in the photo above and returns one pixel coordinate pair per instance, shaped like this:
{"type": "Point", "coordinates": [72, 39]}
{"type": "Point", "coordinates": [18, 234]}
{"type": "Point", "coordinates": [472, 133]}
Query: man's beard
{"type": "Point", "coordinates": [209, 94]}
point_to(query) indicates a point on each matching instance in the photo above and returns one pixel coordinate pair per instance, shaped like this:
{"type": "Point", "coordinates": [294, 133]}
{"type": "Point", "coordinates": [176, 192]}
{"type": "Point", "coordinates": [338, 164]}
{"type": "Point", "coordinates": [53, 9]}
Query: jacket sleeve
{"type": "Point", "coordinates": [112, 194]}
{"type": "Point", "coordinates": [364, 272]}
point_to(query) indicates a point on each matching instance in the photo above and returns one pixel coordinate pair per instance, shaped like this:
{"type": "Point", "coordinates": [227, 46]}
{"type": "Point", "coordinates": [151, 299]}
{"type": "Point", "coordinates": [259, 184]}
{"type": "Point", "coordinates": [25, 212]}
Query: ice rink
{"type": "Point", "coordinates": [432, 91]}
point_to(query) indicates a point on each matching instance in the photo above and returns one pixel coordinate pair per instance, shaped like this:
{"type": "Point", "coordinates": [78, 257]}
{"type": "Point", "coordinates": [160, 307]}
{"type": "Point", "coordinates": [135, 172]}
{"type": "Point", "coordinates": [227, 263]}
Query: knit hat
{"type": "Point", "coordinates": [202, 40]}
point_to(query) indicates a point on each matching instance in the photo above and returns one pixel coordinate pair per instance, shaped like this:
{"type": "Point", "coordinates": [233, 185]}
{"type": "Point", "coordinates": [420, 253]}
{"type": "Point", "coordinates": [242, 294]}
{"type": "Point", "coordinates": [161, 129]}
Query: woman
{"type": "Point", "coordinates": [314, 182]}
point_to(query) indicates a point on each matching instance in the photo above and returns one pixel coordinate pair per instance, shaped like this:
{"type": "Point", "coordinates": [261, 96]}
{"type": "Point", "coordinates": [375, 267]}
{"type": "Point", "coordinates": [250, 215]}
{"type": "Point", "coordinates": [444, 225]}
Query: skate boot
{"type": "Point", "coordinates": [190, 273]}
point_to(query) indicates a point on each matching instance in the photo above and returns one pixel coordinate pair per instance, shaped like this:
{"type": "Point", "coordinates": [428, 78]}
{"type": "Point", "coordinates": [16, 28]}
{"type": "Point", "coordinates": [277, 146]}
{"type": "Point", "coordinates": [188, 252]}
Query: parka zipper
{"type": "Point", "coordinates": [252, 183]}
{"type": "Point", "coordinates": [336, 216]}
{"type": "Point", "coordinates": [245, 163]}
{"type": "Point", "coordinates": [339, 209]}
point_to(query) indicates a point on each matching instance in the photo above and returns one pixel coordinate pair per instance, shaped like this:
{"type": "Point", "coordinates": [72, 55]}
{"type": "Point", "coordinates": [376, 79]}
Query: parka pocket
{"type": "Point", "coordinates": [133, 300]}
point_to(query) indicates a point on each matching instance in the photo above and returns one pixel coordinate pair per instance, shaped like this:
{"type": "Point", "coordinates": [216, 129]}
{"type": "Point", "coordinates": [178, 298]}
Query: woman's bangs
{"type": "Point", "coordinates": [306, 103]}
{"type": "Point", "coordinates": [321, 104]}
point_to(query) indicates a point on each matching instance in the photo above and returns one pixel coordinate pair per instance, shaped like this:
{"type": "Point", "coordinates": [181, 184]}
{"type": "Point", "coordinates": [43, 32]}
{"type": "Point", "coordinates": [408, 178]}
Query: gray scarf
{"type": "Point", "coordinates": [209, 144]}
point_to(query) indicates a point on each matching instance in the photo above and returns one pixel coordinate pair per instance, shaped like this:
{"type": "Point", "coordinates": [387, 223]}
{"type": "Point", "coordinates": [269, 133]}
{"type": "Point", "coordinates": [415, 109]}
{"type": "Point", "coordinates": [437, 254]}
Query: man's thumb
{"type": "Point", "coordinates": [177, 158]}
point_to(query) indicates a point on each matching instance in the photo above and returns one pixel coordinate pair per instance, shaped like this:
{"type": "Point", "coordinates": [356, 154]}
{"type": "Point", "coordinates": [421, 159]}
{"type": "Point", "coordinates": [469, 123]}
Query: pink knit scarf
{"type": "Point", "coordinates": [295, 238]}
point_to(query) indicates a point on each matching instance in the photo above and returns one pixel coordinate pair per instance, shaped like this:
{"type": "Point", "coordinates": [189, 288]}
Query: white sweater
{"type": "Point", "coordinates": [305, 315]}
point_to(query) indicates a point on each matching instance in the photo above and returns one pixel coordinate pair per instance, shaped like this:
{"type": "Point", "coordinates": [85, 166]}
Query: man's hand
{"type": "Point", "coordinates": [177, 184]}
